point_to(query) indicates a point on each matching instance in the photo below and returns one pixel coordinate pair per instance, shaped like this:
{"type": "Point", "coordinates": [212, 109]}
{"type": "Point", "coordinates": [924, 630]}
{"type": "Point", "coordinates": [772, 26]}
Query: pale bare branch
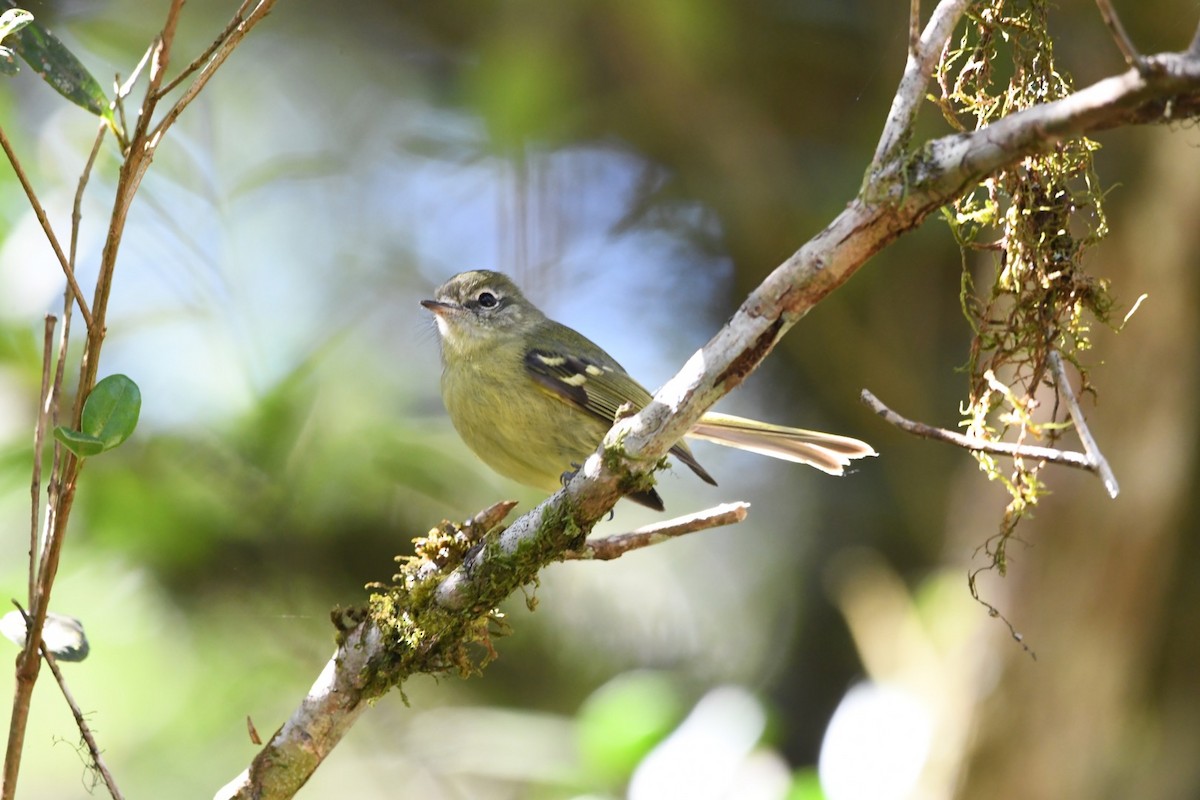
{"type": "Point", "coordinates": [1096, 460]}
{"type": "Point", "coordinates": [332, 705]}
{"type": "Point", "coordinates": [923, 54]}
{"type": "Point", "coordinates": [1050, 455]}
{"type": "Point", "coordinates": [609, 547]}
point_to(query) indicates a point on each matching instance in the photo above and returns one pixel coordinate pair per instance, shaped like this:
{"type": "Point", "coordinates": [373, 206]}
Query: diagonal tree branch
{"type": "Point", "coordinates": [904, 186]}
{"type": "Point", "coordinates": [1124, 43]}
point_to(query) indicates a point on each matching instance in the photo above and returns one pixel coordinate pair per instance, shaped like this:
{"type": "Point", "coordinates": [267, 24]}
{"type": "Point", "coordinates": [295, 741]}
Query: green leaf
{"type": "Point", "coordinates": [57, 65]}
{"type": "Point", "coordinates": [110, 412]}
{"type": "Point", "coordinates": [78, 443]}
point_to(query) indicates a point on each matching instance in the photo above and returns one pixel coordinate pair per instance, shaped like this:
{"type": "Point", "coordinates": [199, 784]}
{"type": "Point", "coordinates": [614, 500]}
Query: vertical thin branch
{"type": "Point", "coordinates": [922, 56]}
{"type": "Point", "coordinates": [122, 91]}
{"type": "Point", "coordinates": [39, 437]}
{"type": "Point", "coordinates": [914, 26]}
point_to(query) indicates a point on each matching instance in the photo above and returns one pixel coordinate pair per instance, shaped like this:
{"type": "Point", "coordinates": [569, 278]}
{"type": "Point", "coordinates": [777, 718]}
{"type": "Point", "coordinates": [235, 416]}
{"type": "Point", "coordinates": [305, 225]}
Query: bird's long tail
{"type": "Point", "coordinates": [827, 452]}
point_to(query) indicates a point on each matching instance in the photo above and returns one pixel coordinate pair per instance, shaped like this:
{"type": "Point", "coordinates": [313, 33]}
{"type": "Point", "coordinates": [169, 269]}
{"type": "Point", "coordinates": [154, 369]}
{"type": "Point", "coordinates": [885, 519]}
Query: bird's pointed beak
{"type": "Point", "coordinates": [438, 307]}
{"type": "Point", "coordinates": [448, 317]}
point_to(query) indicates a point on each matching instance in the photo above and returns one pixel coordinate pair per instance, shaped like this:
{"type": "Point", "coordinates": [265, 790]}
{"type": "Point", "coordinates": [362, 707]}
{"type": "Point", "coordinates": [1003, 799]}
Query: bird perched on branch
{"type": "Point", "coordinates": [533, 398]}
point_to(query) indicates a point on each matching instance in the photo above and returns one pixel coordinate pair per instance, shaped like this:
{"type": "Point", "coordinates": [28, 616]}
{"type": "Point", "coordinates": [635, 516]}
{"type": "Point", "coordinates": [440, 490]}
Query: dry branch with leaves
{"type": "Point", "coordinates": [76, 435]}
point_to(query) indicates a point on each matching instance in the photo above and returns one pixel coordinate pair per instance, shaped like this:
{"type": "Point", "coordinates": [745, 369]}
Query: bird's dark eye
{"type": "Point", "coordinates": [487, 300]}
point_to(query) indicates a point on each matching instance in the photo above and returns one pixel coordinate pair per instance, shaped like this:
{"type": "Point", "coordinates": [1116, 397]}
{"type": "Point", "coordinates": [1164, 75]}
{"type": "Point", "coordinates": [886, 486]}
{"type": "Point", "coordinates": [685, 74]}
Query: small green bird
{"type": "Point", "coordinates": [533, 398]}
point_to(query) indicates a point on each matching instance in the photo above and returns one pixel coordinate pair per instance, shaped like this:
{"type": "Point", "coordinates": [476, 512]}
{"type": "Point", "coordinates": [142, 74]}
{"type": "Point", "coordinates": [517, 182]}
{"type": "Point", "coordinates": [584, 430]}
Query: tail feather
{"type": "Point", "coordinates": [827, 452]}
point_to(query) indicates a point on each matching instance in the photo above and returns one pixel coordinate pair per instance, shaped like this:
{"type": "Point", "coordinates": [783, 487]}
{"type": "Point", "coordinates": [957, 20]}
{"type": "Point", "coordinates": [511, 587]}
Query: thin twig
{"type": "Point", "coordinates": [914, 26]}
{"type": "Point", "coordinates": [201, 59]}
{"type": "Point", "coordinates": [1120, 36]}
{"type": "Point", "coordinates": [84, 730]}
{"type": "Point", "coordinates": [1050, 455]}
{"type": "Point", "coordinates": [127, 86]}
{"type": "Point", "coordinates": [923, 54]}
{"type": "Point", "coordinates": [235, 35]}
{"type": "Point", "coordinates": [1099, 463]}
{"type": "Point", "coordinates": [609, 547]}
{"type": "Point", "coordinates": [40, 213]}
{"type": "Point", "coordinates": [477, 526]}
{"type": "Point", "coordinates": [122, 91]}
{"type": "Point", "coordinates": [77, 206]}
{"type": "Point", "coordinates": [76, 220]}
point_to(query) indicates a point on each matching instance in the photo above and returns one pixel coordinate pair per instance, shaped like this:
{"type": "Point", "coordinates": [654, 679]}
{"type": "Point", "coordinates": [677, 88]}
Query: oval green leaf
{"type": "Point", "coordinates": [58, 66]}
{"type": "Point", "coordinates": [78, 443]}
{"type": "Point", "coordinates": [111, 411]}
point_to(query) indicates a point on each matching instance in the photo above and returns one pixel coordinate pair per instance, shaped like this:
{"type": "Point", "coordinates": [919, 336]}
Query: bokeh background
{"type": "Point", "coordinates": [638, 167]}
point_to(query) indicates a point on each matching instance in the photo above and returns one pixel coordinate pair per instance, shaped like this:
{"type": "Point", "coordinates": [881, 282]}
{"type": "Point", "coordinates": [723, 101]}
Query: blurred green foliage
{"type": "Point", "coordinates": [640, 166]}
{"type": "Point", "coordinates": [621, 722]}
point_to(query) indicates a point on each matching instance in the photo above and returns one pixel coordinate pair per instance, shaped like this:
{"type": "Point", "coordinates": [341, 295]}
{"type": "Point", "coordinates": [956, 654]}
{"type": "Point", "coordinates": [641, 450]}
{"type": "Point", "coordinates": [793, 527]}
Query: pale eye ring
{"type": "Point", "coordinates": [487, 300]}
